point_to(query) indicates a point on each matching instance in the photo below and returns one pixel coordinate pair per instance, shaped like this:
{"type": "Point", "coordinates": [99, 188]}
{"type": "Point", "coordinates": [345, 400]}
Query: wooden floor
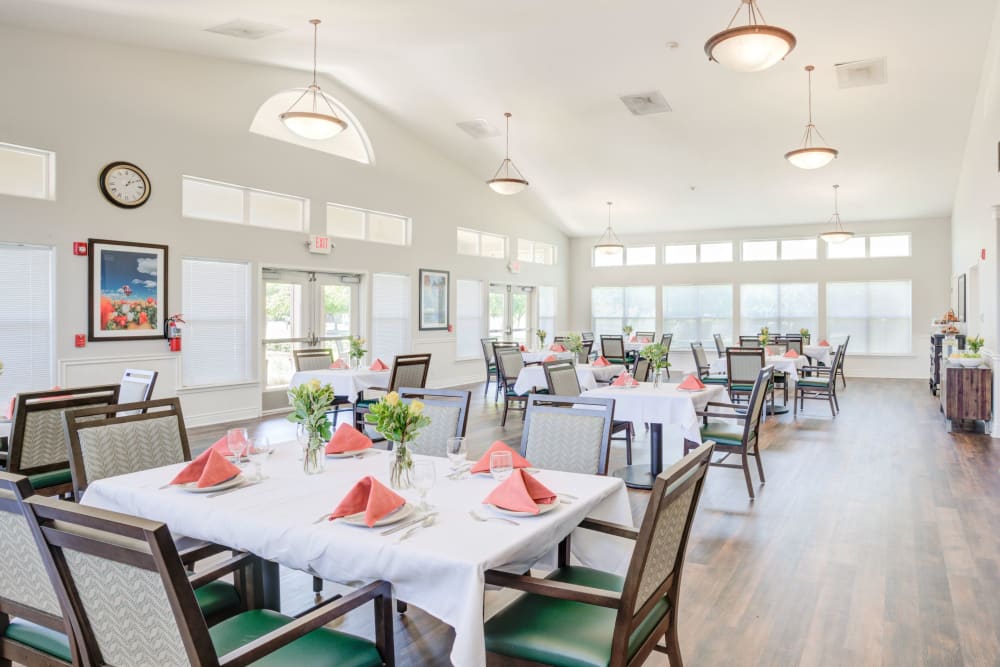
{"type": "Point", "coordinates": [876, 541]}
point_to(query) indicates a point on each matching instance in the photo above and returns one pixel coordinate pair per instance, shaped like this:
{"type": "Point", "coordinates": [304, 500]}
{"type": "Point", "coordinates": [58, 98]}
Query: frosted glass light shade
{"type": "Point", "coordinates": [811, 157]}
{"type": "Point", "coordinates": [507, 186]}
{"type": "Point", "coordinates": [751, 48]}
{"type": "Point", "coordinates": [312, 125]}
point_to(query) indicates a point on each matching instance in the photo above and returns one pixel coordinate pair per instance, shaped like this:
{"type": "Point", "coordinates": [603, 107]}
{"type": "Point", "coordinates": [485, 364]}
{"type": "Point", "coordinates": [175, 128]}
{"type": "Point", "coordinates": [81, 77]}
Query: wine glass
{"type": "Point", "coordinates": [258, 449]}
{"type": "Point", "coordinates": [236, 440]}
{"type": "Point", "coordinates": [455, 447]}
{"type": "Point", "coordinates": [501, 465]}
{"type": "Point", "coordinates": [423, 479]}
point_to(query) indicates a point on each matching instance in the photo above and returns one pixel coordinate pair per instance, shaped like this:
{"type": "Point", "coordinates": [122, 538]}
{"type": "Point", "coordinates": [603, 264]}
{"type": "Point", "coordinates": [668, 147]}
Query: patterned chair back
{"type": "Point", "coordinates": [38, 437]}
{"type": "Point", "coordinates": [103, 445]}
{"type": "Point", "coordinates": [749, 341]}
{"type": "Point", "coordinates": [642, 369]}
{"type": "Point", "coordinates": [700, 359]}
{"type": "Point", "coordinates": [648, 335]}
{"type": "Point", "coordinates": [666, 340]}
{"type": "Point", "coordinates": [587, 335]}
{"type": "Point", "coordinates": [409, 370]}
{"type": "Point", "coordinates": [613, 347]}
{"type": "Point", "coordinates": [561, 378]}
{"type": "Point", "coordinates": [743, 365]}
{"type": "Point", "coordinates": [448, 410]}
{"type": "Point", "coordinates": [569, 433]}
{"type": "Point", "coordinates": [720, 345]}
{"type": "Point", "coordinates": [313, 359]}
{"type": "Point", "coordinates": [794, 343]}
{"type": "Point", "coordinates": [137, 385]}
{"type": "Point", "coordinates": [654, 573]}
{"type": "Point", "coordinates": [124, 580]}
{"type": "Point", "coordinates": [487, 344]}
{"type": "Point", "coordinates": [509, 362]}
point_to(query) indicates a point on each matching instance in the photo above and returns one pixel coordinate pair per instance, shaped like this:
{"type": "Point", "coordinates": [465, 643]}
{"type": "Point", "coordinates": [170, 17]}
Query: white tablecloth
{"type": "Point", "coordinates": [636, 346]}
{"type": "Point", "coordinates": [346, 382]}
{"type": "Point", "coordinates": [818, 353]}
{"type": "Point", "coordinates": [531, 377]}
{"type": "Point", "coordinates": [537, 356]}
{"type": "Point", "coordinates": [664, 405]}
{"type": "Point", "coordinates": [440, 569]}
{"type": "Point", "coordinates": [781, 365]}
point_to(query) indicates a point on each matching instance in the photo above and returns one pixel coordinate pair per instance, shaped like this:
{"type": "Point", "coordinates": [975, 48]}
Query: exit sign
{"type": "Point", "coordinates": [320, 245]}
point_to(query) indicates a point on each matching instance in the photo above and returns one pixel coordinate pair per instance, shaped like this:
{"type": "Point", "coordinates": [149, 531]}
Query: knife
{"type": "Point", "coordinates": [406, 524]}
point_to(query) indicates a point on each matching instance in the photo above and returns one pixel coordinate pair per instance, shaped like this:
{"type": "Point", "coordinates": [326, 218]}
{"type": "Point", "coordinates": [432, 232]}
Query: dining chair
{"type": "Point", "coordinates": [742, 366]}
{"type": "Point", "coordinates": [584, 356]}
{"type": "Point", "coordinates": [570, 433]}
{"type": "Point", "coordinates": [136, 386]}
{"type": "Point", "coordinates": [587, 335]}
{"type": "Point", "coordinates": [37, 444]}
{"type": "Point", "coordinates": [509, 365]}
{"type": "Point", "coordinates": [582, 616]}
{"type": "Point", "coordinates": [312, 359]}
{"type": "Point", "coordinates": [720, 345]}
{"type": "Point", "coordinates": [131, 603]}
{"type": "Point", "coordinates": [749, 341]}
{"type": "Point", "coordinates": [794, 343]}
{"type": "Point", "coordinates": [704, 368]}
{"type": "Point", "coordinates": [560, 339]}
{"type": "Point", "coordinates": [641, 369]}
{"type": "Point", "coordinates": [743, 438]}
{"type": "Point", "coordinates": [613, 349]}
{"type": "Point", "coordinates": [408, 370]}
{"type": "Point", "coordinates": [840, 368]}
{"type": "Point", "coordinates": [448, 410]}
{"type": "Point", "coordinates": [491, 364]}
{"type": "Point", "coordinates": [820, 384]}
{"type": "Point", "coordinates": [648, 335]}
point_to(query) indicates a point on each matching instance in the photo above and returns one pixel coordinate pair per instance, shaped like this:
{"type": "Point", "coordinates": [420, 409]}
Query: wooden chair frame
{"type": "Point", "coordinates": [399, 361]}
{"type": "Point", "coordinates": [545, 403]}
{"type": "Point", "coordinates": [507, 381]}
{"type": "Point", "coordinates": [312, 353]}
{"type": "Point", "coordinates": [720, 345]}
{"type": "Point", "coordinates": [445, 398]}
{"type": "Point", "coordinates": [828, 393]}
{"type": "Point", "coordinates": [737, 352]}
{"type": "Point", "coordinates": [618, 341]}
{"type": "Point", "coordinates": [617, 426]}
{"type": "Point", "coordinates": [491, 367]}
{"type": "Point", "coordinates": [750, 341]}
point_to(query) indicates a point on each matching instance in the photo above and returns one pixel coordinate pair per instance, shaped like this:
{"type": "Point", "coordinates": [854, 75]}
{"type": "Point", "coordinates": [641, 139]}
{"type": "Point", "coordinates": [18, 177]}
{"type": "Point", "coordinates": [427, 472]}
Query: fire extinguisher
{"type": "Point", "coordinates": [172, 331]}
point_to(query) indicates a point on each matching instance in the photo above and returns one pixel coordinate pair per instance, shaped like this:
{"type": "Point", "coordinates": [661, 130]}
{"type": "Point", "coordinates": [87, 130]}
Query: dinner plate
{"type": "Point", "coordinates": [542, 509]}
{"type": "Point", "coordinates": [686, 389]}
{"type": "Point", "coordinates": [347, 455]}
{"type": "Point", "coordinates": [192, 487]}
{"type": "Point", "coordinates": [392, 517]}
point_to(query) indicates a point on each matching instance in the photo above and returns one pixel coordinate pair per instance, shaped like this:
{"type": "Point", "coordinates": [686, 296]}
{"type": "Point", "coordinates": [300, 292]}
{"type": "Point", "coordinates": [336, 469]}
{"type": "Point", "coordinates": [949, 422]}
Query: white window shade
{"type": "Point", "coordinates": [25, 320]}
{"type": "Point", "coordinates": [890, 245]}
{"type": "Point", "coordinates": [697, 312]}
{"type": "Point", "coordinates": [344, 222]}
{"type": "Point", "coordinates": [716, 252]}
{"type": "Point", "coordinates": [547, 310]}
{"type": "Point", "coordinates": [614, 307]}
{"type": "Point", "coordinates": [493, 246]}
{"type": "Point", "coordinates": [792, 249]}
{"type": "Point", "coordinates": [680, 254]}
{"type": "Point", "coordinates": [469, 314]}
{"type": "Point", "coordinates": [853, 248]}
{"type": "Point", "coordinates": [390, 316]}
{"type": "Point", "coordinates": [640, 255]}
{"type": "Point", "coordinates": [215, 303]}
{"type": "Point", "coordinates": [760, 251]}
{"type": "Point", "coordinates": [275, 211]}
{"type": "Point", "coordinates": [608, 257]}
{"type": "Point", "coordinates": [782, 308]}
{"type": "Point", "coordinates": [391, 229]}
{"type": "Point", "coordinates": [876, 315]}
{"type": "Point", "coordinates": [209, 200]}
{"type": "Point", "coordinates": [525, 250]}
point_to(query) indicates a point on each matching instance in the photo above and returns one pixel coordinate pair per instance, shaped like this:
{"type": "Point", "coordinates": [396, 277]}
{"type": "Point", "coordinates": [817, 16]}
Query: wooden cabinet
{"type": "Point", "coordinates": [966, 393]}
{"type": "Point", "coordinates": [937, 343]}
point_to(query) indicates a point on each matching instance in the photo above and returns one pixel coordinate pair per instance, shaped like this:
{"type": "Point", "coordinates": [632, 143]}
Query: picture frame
{"type": "Point", "coordinates": [127, 290]}
{"type": "Point", "coordinates": [960, 298]}
{"type": "Point", "coordinates": [434, 299]}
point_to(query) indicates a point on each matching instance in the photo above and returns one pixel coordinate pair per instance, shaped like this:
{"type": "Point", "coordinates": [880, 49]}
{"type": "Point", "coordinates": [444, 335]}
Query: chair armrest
{"type": "Point", "coordinates": [192, 551]}
{"type": "Point", "coordinates": [610, 528]}
{"type": "Point", "coordinates": [817, 369]}
{"type": "Point", "coordinates": [220, 569]}
{"type": "Point", "coordinates": [305, 624]}
{"type": "Point", "coordinates": [716, 404]}
{"type": "Point", "coordinates": [720, 415]}
{"type": "Point", "coordinates": [382, 389]}
{"type": "Point", "coordinates": [555, 589]}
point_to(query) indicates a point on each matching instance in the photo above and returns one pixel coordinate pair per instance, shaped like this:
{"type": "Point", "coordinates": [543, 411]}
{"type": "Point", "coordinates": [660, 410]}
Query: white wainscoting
{"type": "Point", "coordinates": [444, 371]}
{"type": "Point", "coordinates": [218, 404]}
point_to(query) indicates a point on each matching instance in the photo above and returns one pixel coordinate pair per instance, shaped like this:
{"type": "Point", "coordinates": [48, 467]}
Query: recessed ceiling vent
{"type": "Point", "coordinates": [644, 104]}
{"type": "Point", "coordinates": [243, 29]}
{"type": "Point", "coordinates": [478, 128]}
{"type": "Point", "coordinates": [861, 73]}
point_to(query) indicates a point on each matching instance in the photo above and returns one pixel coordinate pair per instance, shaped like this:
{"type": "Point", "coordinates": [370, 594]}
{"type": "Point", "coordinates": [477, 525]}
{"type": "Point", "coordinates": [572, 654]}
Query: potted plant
{"type": "Point", "coordinates": [358, 351]}
{"type": "Point", "coordinates": [972, 358]}
{"type": "Point", "coordinates": [311, 402]}
{"type": "Point", "coordinates": [657, 355]}
{"type": "Point", "coordinates": [542, 335]}
{"type": "Point", "coordinates": [764, 336]}
{"type": "Point", "coordinates": [574, 344]}
{"type": "Point", "coordinates": [627, 330]}
{"type": "Point", "coordinates": [399, 422]}
{"type": "Point", "coordinates": [805, 336]}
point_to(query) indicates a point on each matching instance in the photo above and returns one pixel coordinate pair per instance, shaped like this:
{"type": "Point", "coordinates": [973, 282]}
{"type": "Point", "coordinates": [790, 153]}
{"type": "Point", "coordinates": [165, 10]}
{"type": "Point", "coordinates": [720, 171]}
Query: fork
{"type": "Point", "coordinates": [477, 517]}
{"type": "Point", "coordinates": [428, 521]}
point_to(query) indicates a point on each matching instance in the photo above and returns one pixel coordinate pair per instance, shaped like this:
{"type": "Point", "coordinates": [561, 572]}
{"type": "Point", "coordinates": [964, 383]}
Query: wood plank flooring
{"type": "Point", "coordinates": [876, 541]}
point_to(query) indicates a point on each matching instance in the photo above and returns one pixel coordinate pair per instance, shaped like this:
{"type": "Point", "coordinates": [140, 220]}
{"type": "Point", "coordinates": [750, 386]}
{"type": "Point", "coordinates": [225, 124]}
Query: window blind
{"type": "Point", "coordinates": [547, 310]}
{"type": "Point", "coordinates": [25, 320]}
{"type": "Point", "coordinates": [215, 304]}
{"type": "Point", "coordinates": [390, 316]}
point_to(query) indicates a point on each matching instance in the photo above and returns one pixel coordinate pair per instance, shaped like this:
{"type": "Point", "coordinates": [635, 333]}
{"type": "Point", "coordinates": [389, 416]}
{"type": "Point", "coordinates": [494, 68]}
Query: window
{"type": "Point", "coordinates": [798, 249]}
{"type": "Point", "coordinates": [224, 202]}
{"type": "Point", "coordinates": [609, 257]}
{"type": "Point", "coordinates": [680, 254]}
{"type": "Point", "coordinates": [696, 312]}
{"type": "Point", "coordinates": [716, 252]}
{"type": "Point", "coordinates": [547, 310]}
{"type": "Point", "coordinates": [390, 316]}
{"type": "Point", "coordinates": [347, 222]}
{"type": "Point", "coordinates": [889, 245]}
{"type": "Point", "coordinates": [215, 303]}
{"type": "Point", "coordinates": [876, 315]}
{"type": "Point", "coordinates": [27, 172]}
{"type": "Point", "coordinates": [614, 307]}
{"type": "Point", "coordinates": [782, 308]}
{"type": "Point", "coordinates": [760, 251]}
{"type": "Point", "coordinates": [468, 319]}
{"type": "Point", "coordinates": [642, 255]}
{"type": "Point", "coordinates": [25, 319]}
{"type": "Point", "coordinates": [481, 244]}
{"type": "Point", "coordinates": [850, 249]}
{"type": "Point", "coordinates": [536, 252]}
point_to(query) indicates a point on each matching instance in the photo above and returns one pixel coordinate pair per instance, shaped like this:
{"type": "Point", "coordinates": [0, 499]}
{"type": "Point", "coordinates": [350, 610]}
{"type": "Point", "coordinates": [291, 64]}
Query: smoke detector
{"type": "Point", "coordinates": [478, 128]}
{"type": "Point", "coordinates": [243, 29]}
{"type": "Point", "coordinates": [860, 73]}
{"type": "Point", "coordinates": [644, 104]}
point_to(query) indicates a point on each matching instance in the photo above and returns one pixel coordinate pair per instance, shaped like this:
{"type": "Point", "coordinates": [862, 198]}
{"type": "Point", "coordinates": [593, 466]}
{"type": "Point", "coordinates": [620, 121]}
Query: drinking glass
{"type": "Point", "coordinates": [258, 449]}
{"type": "Point", "coordinates": [501, 465]}
{"type": "Point", "coordinates": [423, 479]}
{"type": "Point", "coordinates": [456, 452]}
{"type": "Point", "coordinates": [236, 440]}
{"type": "Point", "coordinates": [302, 436]}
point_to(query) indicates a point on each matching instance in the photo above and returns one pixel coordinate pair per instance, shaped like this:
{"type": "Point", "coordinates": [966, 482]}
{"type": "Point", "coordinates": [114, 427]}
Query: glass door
{"type": "Point", "coordinates": [498, 312]}
{"type": "Point", "coordinates": [510, 309]}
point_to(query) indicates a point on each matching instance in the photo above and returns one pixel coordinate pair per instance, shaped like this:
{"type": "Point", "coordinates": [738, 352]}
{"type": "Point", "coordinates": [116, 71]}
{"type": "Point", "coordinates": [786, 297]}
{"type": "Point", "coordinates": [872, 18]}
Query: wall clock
{"type": "Point", "coordinates": [125, 185]}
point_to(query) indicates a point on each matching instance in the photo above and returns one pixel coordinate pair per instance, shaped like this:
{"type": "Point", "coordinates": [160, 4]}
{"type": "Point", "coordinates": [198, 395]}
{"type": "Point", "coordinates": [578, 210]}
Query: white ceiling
{"type": "Point", "coordinates": [561, 65]}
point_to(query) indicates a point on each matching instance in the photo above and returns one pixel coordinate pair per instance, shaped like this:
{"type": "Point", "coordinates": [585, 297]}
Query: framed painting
{"type": "Point", "coordinates": [433, 299]}
{"type": "Point", "coordinates": [127, 285]}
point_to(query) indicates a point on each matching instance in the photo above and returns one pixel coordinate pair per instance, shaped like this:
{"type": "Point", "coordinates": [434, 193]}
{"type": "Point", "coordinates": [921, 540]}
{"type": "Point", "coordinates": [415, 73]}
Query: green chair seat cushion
{"type": "Point", "coordinates": [615, 360]}
{"type": "Point", "coordinates": [319, 648]}
{"type": "Point", "coordinates": [44, 480]}
{"type": "Point", "coordinates": [562, 632]}
{"type": "Point", "coordinates": [217, 597]}
{"type": "Point", "coordinates": [365, 403]}
{"type": "Point", "coordinates": [814, 382]}
{"type": "Point", "coordinates": [39, 638]}
{"type": "Point", "coordinates": [742, 387]}
{"type": "Point", "coordinates": [724, 433]}
{"type": "Point", "coordinates": [512, 393]}
{"type": "Point", "coordinates": [715, 379]}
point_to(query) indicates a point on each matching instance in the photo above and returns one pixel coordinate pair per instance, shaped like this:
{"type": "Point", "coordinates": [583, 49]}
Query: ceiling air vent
{"type": "Point", "coordinates": [644, 104]}
{"type": "Point", "coordinates": [243, 29]}
{"type": "Point", "coordinates": [861, 73]}
{"type": "Point", "coordinates": [478, 128]}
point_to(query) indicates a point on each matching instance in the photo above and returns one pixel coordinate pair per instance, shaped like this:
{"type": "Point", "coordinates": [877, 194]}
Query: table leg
{"type": "Point", "coordinates": [642, 476]}
{"type": "Point", "coordinates": [265, 586]}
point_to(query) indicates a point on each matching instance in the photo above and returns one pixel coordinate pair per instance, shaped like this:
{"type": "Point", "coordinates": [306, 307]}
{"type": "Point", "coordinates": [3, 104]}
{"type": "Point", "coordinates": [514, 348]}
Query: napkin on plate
{"type": "Point", "coordinates": [483, 464]}
{"type": "Point", "coordinates": [791, 354]}
{"type": "Point", "coordinates": [824, 343]}
{"type": "Point", "coordinates": [632, 339]}
{"type": "Point", "coordinates": [601, 362]}
{"type": "Point", "coordinates": [521, 493]}
{"type": "Point", "coordinates": [209, 469]}
{"type": "Point", "coordinates": [222, 446]}
{"type": "Point", "coordinates": [625, 380]}
{"type": "Point", "coordinates": [379, 365]}
{"type": "Point", "coordinates": [370, 496]}
{"type": "Point", "coordinates": [558, 347]}
{"type": "Point", "coordinates": [523, 348]}
{"type": "Point", "coordinates": [347, 439]}
{"type": "Point", "coordinates": [549, 358]}
{"type": "Point", "coordinates": [691, 382]}
{"type": "Point", "coordinates": [644, 340]}
{"type": "Point", "coordinates": [339, 365]}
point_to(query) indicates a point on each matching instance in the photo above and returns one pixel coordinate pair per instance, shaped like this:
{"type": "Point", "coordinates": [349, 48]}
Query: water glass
{"type": "Point", "coordinates": [423, 477]}
{"type": "Point", "coordinates": [501, 465]}
{"type": "Point", "coordinates": [302, 437]}
{"type": "Point", "coordinates": [457, 452]}
{"type": "Point", "coordinates": [258, 449]}
{"type": "Point", "coordinates": [236, 440]}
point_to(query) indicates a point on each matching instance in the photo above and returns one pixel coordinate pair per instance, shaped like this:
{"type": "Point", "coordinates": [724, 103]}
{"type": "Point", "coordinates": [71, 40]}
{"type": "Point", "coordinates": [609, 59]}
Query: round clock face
{"type": "Point", "coordinates": [125, 185]}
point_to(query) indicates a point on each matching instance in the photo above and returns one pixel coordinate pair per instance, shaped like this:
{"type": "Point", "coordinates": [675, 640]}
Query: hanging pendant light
{"type": "Point", "coordinates": [838, 234]}
{"type": "Point", "coordinates": [609, 244]}
{"type": "Point", "coordinates": [753, 47]}
{"type": "Point", "coordinates": [312, 121]}
{"type": "Point", "coordinates": [808, 156]}
{"type": "Point", "coordinates": [502, 181]}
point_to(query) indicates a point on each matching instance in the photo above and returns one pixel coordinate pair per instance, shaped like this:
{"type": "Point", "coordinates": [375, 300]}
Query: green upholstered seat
{"type": "Point", "coordinates": [742, 387]}
{"type": "Point", "coordinates": [44, 480]}
{"type": "Point", "coordinates": [319, 648]}
{"type": "Point", "coordinates": [366, 402]}
{"type": "Point", "coordinates": [715, 379]}
{"type": "Point", "coordinates": [511, 392]}
{"type": "Point", "coordinates": [563, 632]}
{"type": "Point", "coordinates": [615, 360]}
{"type": "Point", "coordinates": [723, 433]}
{"type": "Point", "coordinates": [217, 597]}
{"type": "Point", "coordinates": [39, 638]}
{"type": "Point", "coordinates": [814, 382]}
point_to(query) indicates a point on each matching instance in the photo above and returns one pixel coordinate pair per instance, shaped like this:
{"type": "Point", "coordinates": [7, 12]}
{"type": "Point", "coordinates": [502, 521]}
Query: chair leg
{"type": "Point", "coordinates": [760, 466]}
{"type": "Point", "coordinates": [746, 474]}
{"type": "Point", "coordinates": [833, 410]}
{"type": "Point", "coordinates": [318, 588]}
{"type": "Point", "coordinates": [401, 607]}
{"type": "Point", "coordinates": [628, 445]}
{"type": "Point", "coordinates": [795, 404]}
{"type": "Point", "coordinates": [506, 406]}
{"type": "Point", "coordinates": [674, 644]}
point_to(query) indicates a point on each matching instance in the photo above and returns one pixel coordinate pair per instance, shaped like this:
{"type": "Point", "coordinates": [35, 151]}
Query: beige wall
{"type": "Point", "coordinates": [93, 102]}
{"type": "Point", "coordinates": [927, 269]}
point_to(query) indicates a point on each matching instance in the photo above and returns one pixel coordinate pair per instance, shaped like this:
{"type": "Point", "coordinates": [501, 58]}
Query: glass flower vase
{"type": "Point", "coordinates": [314, 455]}
{"type": "Point", "coordinates": [401, 467]}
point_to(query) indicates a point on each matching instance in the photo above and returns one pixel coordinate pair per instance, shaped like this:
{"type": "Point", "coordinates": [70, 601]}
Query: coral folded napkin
{"type": "Point", "coordinates": [483, 464]}
{"type": "Point", "coordinates": [643, 340]}
{"type": "Point", "coordinates": [222, 446]}
{"type": "Point", "coordinates": [521, 493]}
{"type": "Point", "coordinates": [347, 439]}
{"type": "Point", "coordinates": [209, 469]}
{"type": "Point", "coordinates": [558, 347]}
{"type": "Point", "coordinates": [791, 354]}
{"type": "Point", "coordinates": [370, 496]}
{"type": "Point", "coordinates": [379, 365]}
{"type": "Point", "coordinates": [601, 362]}
{"type": "Point", "coordinates": [632, 339]}
{"type": "Point", "coordinates": [549, 358]}
{"type": "Point", "coordinates": [10, 409]}
{"type": "Point", "coordinates": [523, 348]}
{"type": "Point", "coordinates": [691, 382]}
{"type": "Point", "coordinates": [338, 365]}
{"type": "Point", "coordinates": [824, 343]}
{"type": "Point", "coordinates": [625, 380]}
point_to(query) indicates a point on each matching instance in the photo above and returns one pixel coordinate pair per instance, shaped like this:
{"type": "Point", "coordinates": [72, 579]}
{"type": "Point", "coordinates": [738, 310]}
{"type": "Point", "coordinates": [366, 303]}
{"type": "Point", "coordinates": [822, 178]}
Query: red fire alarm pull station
{"type": "Point", "coordinates": [80, 340]}
{"type": "Point", "coordinates": [80, 248]}
{"type": "Point", "coordinates": [982, 254]}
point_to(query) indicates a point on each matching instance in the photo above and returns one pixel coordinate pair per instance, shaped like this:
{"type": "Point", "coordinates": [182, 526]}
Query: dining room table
{"type": "Point", "coordinates": [788, 365]}
{"type": "Point", "coordinates": [538, 356]}
{"type": "Point", "coordinates": [590, 376]}
{"type": "Point", "coordinates": [439, 568]}
{"type": "Point", "coordinates": [349, 382]}
{"type": "Point", "coordinates": [658, 406]}
{"type": "Point", "coordinates": [820, 354]}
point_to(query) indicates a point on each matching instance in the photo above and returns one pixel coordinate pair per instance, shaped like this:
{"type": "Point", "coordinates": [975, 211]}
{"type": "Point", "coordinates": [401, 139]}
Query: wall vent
{"type": "Point", "coordinates": [243, 29]}
{"type": "Point", "coordinates": [859, 73]}
{"type": "Point", "coordinates": [644, 104]}
{"type": "Point", "coordinates": [479, 128]}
